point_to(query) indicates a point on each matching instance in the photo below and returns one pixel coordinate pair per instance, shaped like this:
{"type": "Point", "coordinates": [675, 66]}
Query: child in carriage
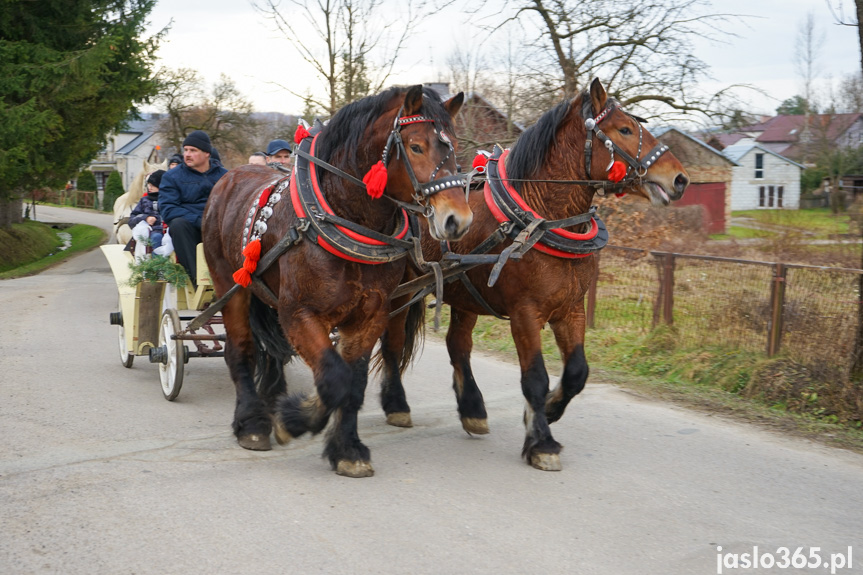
{"type": "Point", "coordinates": [147, 212]}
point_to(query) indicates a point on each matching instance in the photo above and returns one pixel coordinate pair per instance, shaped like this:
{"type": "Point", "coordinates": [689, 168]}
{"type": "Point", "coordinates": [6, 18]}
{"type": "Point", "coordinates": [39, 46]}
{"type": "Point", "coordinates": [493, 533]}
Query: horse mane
{"type": "Point", "coordinates": [347, 129]}
{"type": "Point", "coordinates": [532, 148]}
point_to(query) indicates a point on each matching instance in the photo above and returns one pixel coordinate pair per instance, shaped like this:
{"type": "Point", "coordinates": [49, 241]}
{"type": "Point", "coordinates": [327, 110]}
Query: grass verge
{"type": "Point", "coordinates": [819, 221]}
{"type": "Point", "coordinates": [32, 247]}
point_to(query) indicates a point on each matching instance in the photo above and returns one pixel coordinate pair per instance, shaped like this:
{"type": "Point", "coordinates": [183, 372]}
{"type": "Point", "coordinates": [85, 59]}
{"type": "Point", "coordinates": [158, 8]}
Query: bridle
{"type": "Point", "coordinates": [636, 167]}
{"type": "Point", "coordinates": [422, 192]}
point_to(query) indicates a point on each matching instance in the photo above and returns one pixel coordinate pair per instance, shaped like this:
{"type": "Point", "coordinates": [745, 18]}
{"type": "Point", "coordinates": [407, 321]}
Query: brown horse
{"type": "Point", "coordinates": [339, 257]}
{"type": "Point", "coordinates": [550, 171]}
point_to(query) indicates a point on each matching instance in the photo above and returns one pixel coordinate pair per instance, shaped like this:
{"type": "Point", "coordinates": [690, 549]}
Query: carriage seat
{"type": "Point", "coordinates": [196, 299]}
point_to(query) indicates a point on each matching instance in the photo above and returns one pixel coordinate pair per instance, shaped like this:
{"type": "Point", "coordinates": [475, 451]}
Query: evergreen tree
{"type": "Point", "coordinates": [796, 106]}
{"type": "Point", "coordinates": [86, 181]}
{"type": "Point", "coordinates": [113, 190]}
{"type": "Point", "coordinates": [70, 72]}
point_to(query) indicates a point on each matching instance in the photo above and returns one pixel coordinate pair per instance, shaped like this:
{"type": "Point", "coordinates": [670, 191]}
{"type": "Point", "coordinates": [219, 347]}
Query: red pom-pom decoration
{"type": "Point", "coordinates": [242, 277]}
{"type": "Point", "coordinates": [617, 171]}
{"type": "Point", "coordinates": [253, 250]}
{"type": "Point", "coordinates": [265, 196]}
{"type": "Point", "coordinates": [479, 163]}
{"type": "Point", "coordinates": [301, 134]}
{"type": "Point", "coordinates": [376, 180]}
{"type": "Point", "coordinates": [252, 253]}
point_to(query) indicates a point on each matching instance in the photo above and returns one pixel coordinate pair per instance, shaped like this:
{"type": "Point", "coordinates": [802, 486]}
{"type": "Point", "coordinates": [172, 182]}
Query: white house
{"type": "Point", "coordinates": [125, 152]}
{"type": "Point", "coordinates": [762, 178]}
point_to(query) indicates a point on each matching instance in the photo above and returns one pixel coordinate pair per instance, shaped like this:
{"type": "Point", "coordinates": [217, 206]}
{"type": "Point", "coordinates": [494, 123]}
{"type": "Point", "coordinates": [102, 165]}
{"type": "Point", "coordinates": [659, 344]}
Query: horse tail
{"type": "Point", "coordinates": [414, 333]}
{"type": "Point", "coordinates": [272, 351]}
{"type": "Point", "coordinates": [414, 337]}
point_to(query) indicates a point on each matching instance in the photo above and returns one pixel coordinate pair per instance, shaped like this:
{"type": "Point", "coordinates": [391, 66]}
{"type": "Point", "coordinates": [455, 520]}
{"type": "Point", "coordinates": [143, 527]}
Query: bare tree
{"type": "Point", "coordinates": [223, 112]}
{"type": "Point", "coordinates": [850, 94]}
{"type": "Point", "coordinates": [642, 49]}
{"type": "Point", "coordinates": [857, 366]}
{"type": "Point", "coordinates": [837, 7]}
{"type": "Point", "coordinates": [355, 44]}
{"type": "Point", "coordinates": [807, 50]}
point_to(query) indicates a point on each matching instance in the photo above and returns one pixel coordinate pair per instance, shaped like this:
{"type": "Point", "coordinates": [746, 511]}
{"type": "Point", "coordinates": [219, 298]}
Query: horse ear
{"type": "Point", "coordinates": [414, 100]}
{"type": "Point", "coordinates": [598, 96]}
{"type": "Point", "coordinates": [453, 105]}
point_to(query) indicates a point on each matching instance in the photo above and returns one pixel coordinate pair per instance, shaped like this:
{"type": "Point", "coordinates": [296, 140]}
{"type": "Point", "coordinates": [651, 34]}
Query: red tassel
{"type": "Point", "coordinates": [253, 250]}
{"type": "Point", "coordinates": [301, 134]}
{"type": "Point", "coordinates": [376, 180]}
{"type": "Point", "coordinates": [617, 171]}
{"type": "Point", "coordinates": [252, 253]}
{"type": "Point", "coordinates": [480, 162]}
{"type": "Point", "coordinates": [265, 196]}
{"type": "Point", "coordinates": [243, 277]}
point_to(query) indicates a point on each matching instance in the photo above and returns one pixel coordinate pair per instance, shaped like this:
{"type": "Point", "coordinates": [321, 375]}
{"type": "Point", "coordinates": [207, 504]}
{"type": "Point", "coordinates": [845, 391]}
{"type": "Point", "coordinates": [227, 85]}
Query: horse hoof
{"type": "Point", "coordinates": [282, 435]}
{"type": "Point", "coordinates": [355, 468]}
{"type": "Point", "coordinates": [402, 419]}
{"type": "Point", "coordinates": [255, 442]}
{"type": "Point", "coordinates": [546, 461]}
{"type": "Point", "coordinates": [475, 425]}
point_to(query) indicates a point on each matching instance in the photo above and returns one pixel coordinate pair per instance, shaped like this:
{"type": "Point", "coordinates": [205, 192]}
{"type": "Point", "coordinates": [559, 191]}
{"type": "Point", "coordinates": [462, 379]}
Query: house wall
{"type": "Point", "coordinates": [777, 172]}
{"type": "Point", "coordinates": [130, 165]}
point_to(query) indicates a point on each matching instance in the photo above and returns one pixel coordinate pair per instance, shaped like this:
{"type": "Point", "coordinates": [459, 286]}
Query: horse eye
{"type": "Point", "coordinates": [625, 131]}
{"type": "Point", "coordinates": [416, 149]}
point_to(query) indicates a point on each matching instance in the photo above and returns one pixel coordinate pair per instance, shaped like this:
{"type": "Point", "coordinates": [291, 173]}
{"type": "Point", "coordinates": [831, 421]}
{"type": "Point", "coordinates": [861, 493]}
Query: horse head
{"type": "Point", "coordinates": [625, 144]}
{"type": "Point", "coordinates": [420, 159]}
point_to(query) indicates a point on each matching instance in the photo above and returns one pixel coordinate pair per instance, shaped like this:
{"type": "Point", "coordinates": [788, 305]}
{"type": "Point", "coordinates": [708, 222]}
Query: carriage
{"type": "Point", "coordinates": [149, 321]}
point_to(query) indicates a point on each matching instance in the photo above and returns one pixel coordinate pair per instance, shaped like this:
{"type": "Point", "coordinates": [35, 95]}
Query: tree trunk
{"type": "Point", "coordinates": [857, 367]}
{"type": "Point", "coordinates": [859, 31]}
{"type": "Point", "coordinates": [11, 211]}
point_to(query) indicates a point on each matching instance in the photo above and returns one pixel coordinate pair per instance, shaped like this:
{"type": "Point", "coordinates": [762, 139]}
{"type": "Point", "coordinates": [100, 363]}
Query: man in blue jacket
{"type": "Point", "coordinates": [183, 195]}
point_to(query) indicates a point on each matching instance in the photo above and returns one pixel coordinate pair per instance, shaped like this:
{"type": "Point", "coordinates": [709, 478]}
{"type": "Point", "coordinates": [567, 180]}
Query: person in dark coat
{"type": "Point", "coordinates": [279, 151]}
{"type": "Point", "coordinates": [175, 161]}
{"type": "Point", "coordinates": [147, 209]}
{"type": "Point", "coordinates": [183, 195]}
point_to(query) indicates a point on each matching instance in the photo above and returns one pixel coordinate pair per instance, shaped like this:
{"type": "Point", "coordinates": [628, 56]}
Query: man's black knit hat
{"type": "Point", "coordinates": [200, 140]}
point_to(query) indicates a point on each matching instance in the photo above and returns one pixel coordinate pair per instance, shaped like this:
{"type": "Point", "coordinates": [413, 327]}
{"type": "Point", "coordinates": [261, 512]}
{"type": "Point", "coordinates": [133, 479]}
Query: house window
{"type": "Point", "coordinates": [759, 166]}
{"type": "Point", "coordinates": [769, 196]}
{"type": "Point", "coordinates": [761, 197]}
{"type": "Point", "coordinates": [779, 197]}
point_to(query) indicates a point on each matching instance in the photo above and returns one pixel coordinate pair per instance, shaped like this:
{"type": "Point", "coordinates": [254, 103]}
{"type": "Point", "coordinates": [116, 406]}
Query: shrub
{"type": "Point", "coordinates": [86, 181]}
{"type": "Point", "coordinates": [113, 190]}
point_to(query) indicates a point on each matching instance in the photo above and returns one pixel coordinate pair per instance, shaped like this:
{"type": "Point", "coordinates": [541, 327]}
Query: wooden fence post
{"type": "Point", "coordinates": [777, 304]}
{"type": "Point", "coordinates": [591, 295]}
{"type": "Point", "coordinates": [664, 306]}
{"type": "Point", "coordinates": [668, 295]}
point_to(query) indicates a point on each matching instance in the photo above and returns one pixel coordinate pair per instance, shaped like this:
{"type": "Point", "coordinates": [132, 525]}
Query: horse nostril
{"type": "Point", "coordinates": [680, 183]}
{"type": "Point", "coordinates": [451, 226]}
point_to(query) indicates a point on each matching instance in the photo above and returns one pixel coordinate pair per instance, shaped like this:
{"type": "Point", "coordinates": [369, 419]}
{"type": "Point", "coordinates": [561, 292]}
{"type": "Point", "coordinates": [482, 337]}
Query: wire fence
{"type": "Point", "coordinates": [808, 313]}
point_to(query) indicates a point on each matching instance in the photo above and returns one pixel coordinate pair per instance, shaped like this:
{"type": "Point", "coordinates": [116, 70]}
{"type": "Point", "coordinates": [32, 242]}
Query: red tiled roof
{"type": "Point", "coordinates": [788, 128]}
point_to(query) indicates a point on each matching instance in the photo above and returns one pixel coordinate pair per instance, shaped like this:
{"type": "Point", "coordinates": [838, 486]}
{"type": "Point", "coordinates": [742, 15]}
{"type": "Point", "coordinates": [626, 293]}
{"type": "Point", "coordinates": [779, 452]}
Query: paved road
{"type": "Point", "coordinates": [100, 475]}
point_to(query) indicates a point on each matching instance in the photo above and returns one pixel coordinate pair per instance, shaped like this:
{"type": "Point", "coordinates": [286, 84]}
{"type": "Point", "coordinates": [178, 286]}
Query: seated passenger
{"type": "Point", "coordinates": [183, 195]}
{"type": "Point", "coordinates": [147, 209]}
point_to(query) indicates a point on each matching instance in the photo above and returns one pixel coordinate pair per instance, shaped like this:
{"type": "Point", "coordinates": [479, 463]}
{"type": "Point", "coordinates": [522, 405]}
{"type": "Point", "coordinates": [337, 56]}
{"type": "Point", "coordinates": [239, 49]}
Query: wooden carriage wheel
{"type": "Point", "coordinates": [171, 369]}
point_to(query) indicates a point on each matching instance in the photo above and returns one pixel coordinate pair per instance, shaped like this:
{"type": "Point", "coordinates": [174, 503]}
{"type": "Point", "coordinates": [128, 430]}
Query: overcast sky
{"type": "Point", "coordinates": [229, 36]}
